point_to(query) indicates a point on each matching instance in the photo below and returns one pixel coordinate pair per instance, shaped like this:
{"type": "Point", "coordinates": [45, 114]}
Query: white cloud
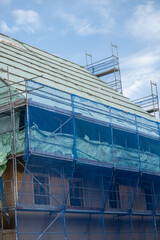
{"type": "Point", "coordinates": [6, 29]}
{"type": "Point", "coordinates": [145, 22]}
{"type": "Point", "coordinates": [142, 59]}
{"type": "Point", "coordinates": [96, 18]}
{"type": "Point", "coordinates": [82, 26]}
{"type": "Point", "coordinates": [138, 70]}
{"type": "Point", "coordinates": [27, 21]}
{"type": "Point", "coordinates": [136, 83]}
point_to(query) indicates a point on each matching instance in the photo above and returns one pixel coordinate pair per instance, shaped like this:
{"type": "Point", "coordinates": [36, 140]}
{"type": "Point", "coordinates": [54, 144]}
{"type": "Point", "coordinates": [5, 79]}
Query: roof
{"type": "Point", "coordinates": [25, 61]}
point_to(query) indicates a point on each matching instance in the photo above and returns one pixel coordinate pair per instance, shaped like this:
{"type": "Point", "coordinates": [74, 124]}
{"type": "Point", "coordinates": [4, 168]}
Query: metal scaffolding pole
{"type": "Point", "coordinates": [151, 102]}
{"type": "Point", "coordinates": [106, 67]}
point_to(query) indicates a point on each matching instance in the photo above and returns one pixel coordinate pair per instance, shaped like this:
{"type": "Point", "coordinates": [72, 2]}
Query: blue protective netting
{"type": "Point", "coordinates": [62, 200]}
{"type": "Point", "coordinates": [4, 205]}
{"type": "Point", "coordinates": [75, 184]}
{"type": "Point", "coordinates": [68, 126]}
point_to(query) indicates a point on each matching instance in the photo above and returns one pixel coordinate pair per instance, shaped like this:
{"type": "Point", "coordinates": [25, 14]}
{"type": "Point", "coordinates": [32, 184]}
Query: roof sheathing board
{"type": "Point", "coordinates": [79, 73]}
{"type": "Point", "coordinates": [72, 66]}
{"type": "Point", "coordinates": [19, 71]}
{"type": "Point", "coordinates": [56, 75]}
{"type": "Point", "coordinates": [63, 75]}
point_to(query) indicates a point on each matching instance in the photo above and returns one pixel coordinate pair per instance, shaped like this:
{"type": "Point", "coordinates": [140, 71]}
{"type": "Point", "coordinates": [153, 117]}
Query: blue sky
{"type": "Point", "coordinates": [69, 28]}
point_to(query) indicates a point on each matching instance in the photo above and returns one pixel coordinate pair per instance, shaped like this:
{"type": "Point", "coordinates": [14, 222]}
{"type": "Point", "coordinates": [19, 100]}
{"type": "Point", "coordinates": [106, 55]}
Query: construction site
{"type": "Point", "coordinates": [78, 159]}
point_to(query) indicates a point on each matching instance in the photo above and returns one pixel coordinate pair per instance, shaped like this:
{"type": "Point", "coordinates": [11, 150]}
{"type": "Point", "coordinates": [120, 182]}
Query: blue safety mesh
{"type": "Point", "coordinates": [3, 201]}
{"type": "Point", "coordinates": [68, 126]}
{"type": "Point", "coordinates": [75, 184]}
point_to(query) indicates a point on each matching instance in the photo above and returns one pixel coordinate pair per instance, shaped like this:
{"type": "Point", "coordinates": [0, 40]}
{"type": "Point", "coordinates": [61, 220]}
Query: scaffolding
{"type": "Point", "coordinates": [108, 69]}
{"type": "Point", "coordinates": [80, 169]}
{"type": "Point", "coordinates": [70, 167]}
{"type": "Point", "coordinates": [11, 105]}
{"type": "Point", "coordinates": [150, 103]}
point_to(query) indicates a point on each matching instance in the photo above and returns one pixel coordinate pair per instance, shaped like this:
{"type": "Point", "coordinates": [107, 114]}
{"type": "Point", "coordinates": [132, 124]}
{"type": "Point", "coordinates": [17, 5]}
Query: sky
{"type": "Point", "coordinates": [69, 28]}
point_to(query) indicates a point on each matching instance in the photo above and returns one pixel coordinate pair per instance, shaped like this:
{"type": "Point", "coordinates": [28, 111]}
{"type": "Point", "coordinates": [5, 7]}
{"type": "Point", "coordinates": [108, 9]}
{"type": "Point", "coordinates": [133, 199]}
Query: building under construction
{"type": "Point", "coordinates": [78, 160]}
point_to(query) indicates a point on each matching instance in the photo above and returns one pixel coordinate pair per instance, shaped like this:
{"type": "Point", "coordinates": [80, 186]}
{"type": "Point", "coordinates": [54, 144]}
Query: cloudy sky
{"type": "Point", "coordinates": [69, 28]}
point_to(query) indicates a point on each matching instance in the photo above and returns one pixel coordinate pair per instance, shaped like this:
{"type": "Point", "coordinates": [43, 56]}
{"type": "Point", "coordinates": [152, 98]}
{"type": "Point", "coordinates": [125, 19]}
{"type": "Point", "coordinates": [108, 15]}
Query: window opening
{"type": "Point", "coordinates": [21, 120]}
{"type": "Point", "coordinates": [76, 192]}
{"type": "Point", "coordinates": [148, 196]}
{"type": "Point", "coordinates": [114, 196]}
{"type": "Point", "coordinates": [40, 192]}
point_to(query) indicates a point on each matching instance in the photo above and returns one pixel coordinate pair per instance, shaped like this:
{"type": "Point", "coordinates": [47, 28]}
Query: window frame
{"type": "Point", "coordinates": [148, 195]}
{"type": "Point", "coordinates": [80, 196]}
{"type": "Point", "coordinates": [114, 196]}
{"type": "Point", "coordinates": [46, 200]}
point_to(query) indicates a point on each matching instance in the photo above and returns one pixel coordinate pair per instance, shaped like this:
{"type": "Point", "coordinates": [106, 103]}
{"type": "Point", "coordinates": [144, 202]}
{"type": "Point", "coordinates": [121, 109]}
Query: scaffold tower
{"type": "Point", "coordinates": [151, 102]}
{"type": "Point", "coordinates": [108, 69]}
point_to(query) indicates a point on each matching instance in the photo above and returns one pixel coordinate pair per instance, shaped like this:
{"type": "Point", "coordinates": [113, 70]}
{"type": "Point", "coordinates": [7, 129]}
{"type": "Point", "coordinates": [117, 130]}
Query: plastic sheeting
{"type": "Point", "coordinates": [68, 126]}
{"type": "Point", "coordinates": [8, 94]}
{"type": "Point", "coordinates": [62, 144]}
{"type": "Point", "coordinates": [6, 144]}
{"type": "Point", "coordinates": [59, 144]}
{"type": "Point", "coordinates": [66, 192]}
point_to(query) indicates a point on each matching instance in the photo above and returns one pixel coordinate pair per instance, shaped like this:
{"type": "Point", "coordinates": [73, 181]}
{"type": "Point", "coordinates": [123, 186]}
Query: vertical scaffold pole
{"type": "Point", "coordinates": [90, 56]}
{"type": "Point", "coordinates": [139, 152]}
{"type": "Point", "coordinates": [102, 207]}
{"type": "Point", "coordinates": [111, 181]}
{"type": "Point", "coordinates": [132, 232]}
{"type": "Point", "coordinates": [15, 159]}
{"type": "Point", "coordinates": [113, 147]}
{"type": "Point", "coordinates": [27, 118]}
{"type": "Point", "coordinates": [153, 98]}
{"type": "Point", "coordinates": [118, 82]}
{"type": "Point", "coordinates": [114, 66]}
{"type": "Point", "coordinates": [13, 137]}
{"type": "Point", "coordinates": [155, 227]}
{"type": "Point", "coordinates": [157, 100]}
{"type": "Point", "coordinates": [1, 219]}
{"type": "Point", "coordinates": [119, 71]}
{"type": "Point", "coordinates": [74, 129]}
{"type": "Point", "coordinates": [64, 223]}
{"type": "Point", "coordinates": [73, 150]}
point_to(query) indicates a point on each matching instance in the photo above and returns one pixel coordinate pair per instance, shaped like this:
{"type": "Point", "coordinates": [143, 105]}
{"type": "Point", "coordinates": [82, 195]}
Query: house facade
{"type": "Point", "coordinates": [78, 159]}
